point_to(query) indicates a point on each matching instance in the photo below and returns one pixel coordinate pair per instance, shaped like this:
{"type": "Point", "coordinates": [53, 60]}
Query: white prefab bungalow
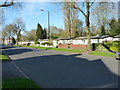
{"type": "Point", "coordinates": [116, 38]}
{"type": "Point", "coordinates": [83, 40]}
{"type": "Point", "coordinates": [78, 40]}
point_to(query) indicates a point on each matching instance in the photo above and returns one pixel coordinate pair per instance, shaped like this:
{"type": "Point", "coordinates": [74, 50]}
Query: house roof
{"type": "Point", "coordinates": [81, 38]}
{"type": "Point", "coordinates": [65, 38]}
{"type": "Point", "coordinates": [117, 36]}
{"type": "Point", "coordinates": [93, 37]}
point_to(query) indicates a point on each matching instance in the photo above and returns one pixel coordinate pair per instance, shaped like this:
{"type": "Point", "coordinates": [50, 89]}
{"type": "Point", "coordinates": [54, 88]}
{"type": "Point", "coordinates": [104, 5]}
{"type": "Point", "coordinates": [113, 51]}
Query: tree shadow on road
{"type": "Point", "coordinates": [68, 71]}
{"type": "Point", "coordinates": [18, 50]}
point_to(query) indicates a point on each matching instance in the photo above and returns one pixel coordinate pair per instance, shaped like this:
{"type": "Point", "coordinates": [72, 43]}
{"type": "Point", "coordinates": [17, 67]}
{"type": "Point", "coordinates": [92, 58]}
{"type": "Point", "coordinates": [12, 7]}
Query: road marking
{"type": "Point", "coordinates": [19, 70]}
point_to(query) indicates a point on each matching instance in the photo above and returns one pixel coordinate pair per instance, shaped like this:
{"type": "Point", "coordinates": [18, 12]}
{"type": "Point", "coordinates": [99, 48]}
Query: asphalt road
{"type": "Point", "coordinates": [54, 69]}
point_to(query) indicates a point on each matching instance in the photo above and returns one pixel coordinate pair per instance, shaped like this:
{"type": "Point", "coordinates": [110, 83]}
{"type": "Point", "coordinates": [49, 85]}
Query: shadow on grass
{"type": "Point", "coordinates": [108, 48]}
{"type": "Point", "coordinates": [67, 71]}
{"type": "Point", "coordinates": [19, 83]}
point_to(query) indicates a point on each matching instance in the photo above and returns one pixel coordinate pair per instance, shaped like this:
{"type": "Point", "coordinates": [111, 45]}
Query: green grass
{"type": "Point", "coordinates": [19, 83]}
{"type": "Point", "coordinates": [98, 53]}
{"type": "Point", "coordinates": [4, 57]}
{"type": "Point", "coordinates": [57, 49]}
{"type": "Point", "coordinates": [101, 53]}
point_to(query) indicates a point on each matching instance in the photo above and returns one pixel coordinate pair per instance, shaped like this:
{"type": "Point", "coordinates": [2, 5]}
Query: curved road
{"type": "Point", "coordinates": [54, 69]}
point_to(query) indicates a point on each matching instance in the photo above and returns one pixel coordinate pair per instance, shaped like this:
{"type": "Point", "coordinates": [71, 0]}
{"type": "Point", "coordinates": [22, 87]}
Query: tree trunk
{"type": "Point", "coordinates": [9, 39]}
{"type": "Point", "coordinates": [88, 26]}
{"type": "Point", "coordinates": [17, 39]}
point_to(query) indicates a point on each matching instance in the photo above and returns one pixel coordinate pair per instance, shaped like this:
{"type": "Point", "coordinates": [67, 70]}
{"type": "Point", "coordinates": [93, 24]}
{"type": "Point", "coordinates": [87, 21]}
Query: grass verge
{"type": "Point", "coordinates": [19, 83]}
{"type": "Point", "coordinates": [4, 57]}
{"type": "Point", "coordinates": [101, 53]}
{"type": "Point", "coordinates": [98, 53]}
{"type": "Point", "coordinates": [57, 49]}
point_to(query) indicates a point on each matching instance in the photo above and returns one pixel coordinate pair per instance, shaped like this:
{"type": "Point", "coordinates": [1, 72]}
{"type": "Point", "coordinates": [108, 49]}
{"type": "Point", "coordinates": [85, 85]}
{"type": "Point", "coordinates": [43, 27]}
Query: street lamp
{"type": "Point", "coordinates": [49, 36]}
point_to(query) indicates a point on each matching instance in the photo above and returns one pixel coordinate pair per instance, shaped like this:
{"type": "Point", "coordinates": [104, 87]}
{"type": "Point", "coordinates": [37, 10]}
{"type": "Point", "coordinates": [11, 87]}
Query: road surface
{"type": "Point", "coordinates": [54, 69]}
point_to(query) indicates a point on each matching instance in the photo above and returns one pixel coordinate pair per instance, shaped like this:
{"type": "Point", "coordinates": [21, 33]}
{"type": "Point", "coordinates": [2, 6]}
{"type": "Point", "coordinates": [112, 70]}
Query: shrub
{"type": "Point", "coordinates": [108, 44]}
{"type": "Point", "coordinates": [13, 41]}
{"type": "Point", "coordinates": [46, 43]}
{"type": "Point", "coordinates": [115, 46]}
{"type": "Point", "coordinates": [36, 41]}
{"type": "Point", "coordinates": [106, 41]}
{"type": "Point", "coordinates": [28, 44]}
{"type": "Point", "coordinates": [68, 45]}
{"type": "Point", "coordinates": [97, 45]}
{"type": "Point", "coordinates": [116, 42]}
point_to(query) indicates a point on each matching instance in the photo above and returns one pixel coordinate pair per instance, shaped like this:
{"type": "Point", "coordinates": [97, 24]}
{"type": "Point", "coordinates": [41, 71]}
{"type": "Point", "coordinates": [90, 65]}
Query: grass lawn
{"type": "Point", "coordinates": [98, 53]}
{"type": "Point", "coordinates": [4, 57]}
{"type": "Point", "coordinates": [57, 49]}
{"type": "Point", "coordinates": [101, 53]}
{"type": "Point", "coordinates": [19, 83]}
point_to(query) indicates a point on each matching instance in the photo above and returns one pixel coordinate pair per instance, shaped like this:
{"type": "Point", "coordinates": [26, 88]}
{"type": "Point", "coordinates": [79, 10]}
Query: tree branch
{"type": "Point", "coordinates": [92, 3]}
{"type": "Point", "coordinates": [79, 9]}
{"type": "Point", "coordinates": [6, 5]}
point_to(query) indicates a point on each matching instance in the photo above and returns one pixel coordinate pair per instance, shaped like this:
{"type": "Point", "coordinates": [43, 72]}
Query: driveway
{"type": "Point", "coordinates": [54, 69]}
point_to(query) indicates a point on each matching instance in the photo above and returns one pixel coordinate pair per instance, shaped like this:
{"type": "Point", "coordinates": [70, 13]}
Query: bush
{"type": "Point", "coordinates": [97, 45]}
{"type": "Point", "coordinates": [13, 41]}
{"type": "Point", "coordinates": [115, 46]}
{"type": "Point", "coordinates": [36, 41]}
{"type": "Point", "coordinates": [28, 44]}
{"type": "Point", "coordinates": [69, 46]}
{"type": "Point", "coordinates": [46, 43]}
{"type": "Point", "coordinates": [106, 41]}
{"type": "Point", "coordinates": [116, 42]}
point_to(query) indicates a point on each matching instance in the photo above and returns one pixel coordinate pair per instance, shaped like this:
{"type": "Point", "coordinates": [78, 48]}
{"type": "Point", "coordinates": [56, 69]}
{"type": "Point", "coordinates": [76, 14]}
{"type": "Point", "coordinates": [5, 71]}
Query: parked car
{"type": "Point", "coordinates": [2, 46]}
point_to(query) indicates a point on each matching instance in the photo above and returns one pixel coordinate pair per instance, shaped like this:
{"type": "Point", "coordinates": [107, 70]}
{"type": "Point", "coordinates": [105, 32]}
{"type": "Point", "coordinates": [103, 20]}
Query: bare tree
{"type": "Point", "coordinates": [8, 3]}
{"type": "Point", "coordinates": [31, 35]}
{"type": "Point", "coordinates": [80, 27]}
{"type": "Point", "coordinates": [19, 26]}
{"type": "Point", "coordinates": [1, 17]}
{"type": "Point", "coordinates": [87, 5]}
{"type": "Point", "coordinates": [101, 15]}
{"type": "Point", "coordinates": [9, 31]}
{"type": "Point", "coordinates": [66, 9]}
{"type": "Point", "coordinates": [70, 18]}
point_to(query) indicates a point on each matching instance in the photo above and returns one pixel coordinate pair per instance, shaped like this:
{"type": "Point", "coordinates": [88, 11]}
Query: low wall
{"type": "Point", "coordinates": [63, 45]}
{"type": "Point", "coordinates": [73, 46]}
{"type": "Point", "coordinates": [78, 46]}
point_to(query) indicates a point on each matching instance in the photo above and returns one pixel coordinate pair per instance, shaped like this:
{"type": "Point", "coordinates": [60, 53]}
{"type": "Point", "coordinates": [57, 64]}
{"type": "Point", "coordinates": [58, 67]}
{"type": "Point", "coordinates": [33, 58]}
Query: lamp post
{"type": "Point", "coordinates": [48, 36]}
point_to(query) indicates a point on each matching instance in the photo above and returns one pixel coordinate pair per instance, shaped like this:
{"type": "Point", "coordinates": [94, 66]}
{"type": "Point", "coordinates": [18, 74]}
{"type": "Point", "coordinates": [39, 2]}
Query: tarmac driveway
{"type": "Point", "coordinates": [54, 69]}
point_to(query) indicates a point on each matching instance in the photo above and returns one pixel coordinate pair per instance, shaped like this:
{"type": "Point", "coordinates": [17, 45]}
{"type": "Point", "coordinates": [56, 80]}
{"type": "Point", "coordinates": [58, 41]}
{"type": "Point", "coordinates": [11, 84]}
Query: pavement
{"type": "Point", "coordinates": [55, 69]}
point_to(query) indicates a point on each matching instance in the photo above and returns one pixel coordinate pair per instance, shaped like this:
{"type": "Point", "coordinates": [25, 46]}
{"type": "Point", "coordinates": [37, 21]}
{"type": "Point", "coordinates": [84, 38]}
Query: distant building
{"type": "Point", "coordinates": [7, 41]}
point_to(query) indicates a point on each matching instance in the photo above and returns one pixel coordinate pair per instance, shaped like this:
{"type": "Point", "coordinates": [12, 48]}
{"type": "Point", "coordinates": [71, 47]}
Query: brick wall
{"type": "Point", "coordinates": [78, 46]}
{"type": "Point", "coordinates": [73, 46]}
{"type": "Point", "coordinates": [63, 46]}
